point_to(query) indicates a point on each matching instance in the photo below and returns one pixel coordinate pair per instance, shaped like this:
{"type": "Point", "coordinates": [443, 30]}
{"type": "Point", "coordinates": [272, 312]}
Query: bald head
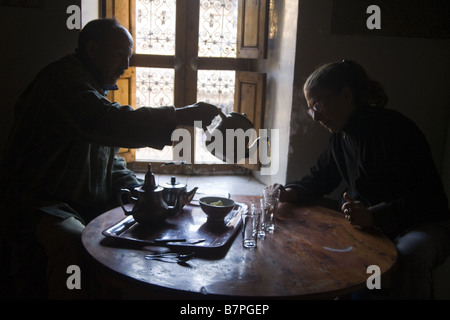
{"type": "Point", "coordinates": [109, 46]}
{"type": "Point", "coordinates": [100, 31]}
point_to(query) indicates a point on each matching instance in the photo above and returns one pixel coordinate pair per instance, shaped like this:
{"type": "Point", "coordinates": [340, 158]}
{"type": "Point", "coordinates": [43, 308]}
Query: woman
{"type": "Point", "coordinates": [385, 162]}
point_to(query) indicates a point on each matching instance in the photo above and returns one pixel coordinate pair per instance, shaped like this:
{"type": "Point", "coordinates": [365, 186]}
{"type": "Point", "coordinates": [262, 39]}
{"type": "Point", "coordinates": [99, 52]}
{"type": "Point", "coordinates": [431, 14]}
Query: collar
{"type": "Point", "coordinates": [93, 70]}
{"type": "Point", "coordinates": [113, 87]}
{"type": "Point", "coordinates": [356, 122]}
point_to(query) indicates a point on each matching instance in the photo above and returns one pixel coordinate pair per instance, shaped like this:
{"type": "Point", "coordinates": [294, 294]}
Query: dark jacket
{"type": "Point", "coordinates": [382, 157]}
{"type": "Point", "coordinates": [61, 155]}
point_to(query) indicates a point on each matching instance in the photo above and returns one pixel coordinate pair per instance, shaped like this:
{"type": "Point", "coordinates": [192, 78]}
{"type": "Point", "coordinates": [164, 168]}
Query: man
{"type": "Point", "coordinates": [60, 167]}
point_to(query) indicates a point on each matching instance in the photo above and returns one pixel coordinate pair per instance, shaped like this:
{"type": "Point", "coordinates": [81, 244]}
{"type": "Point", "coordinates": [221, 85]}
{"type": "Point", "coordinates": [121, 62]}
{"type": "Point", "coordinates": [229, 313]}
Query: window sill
{"type": "Point", "coordinates": [215, 184]}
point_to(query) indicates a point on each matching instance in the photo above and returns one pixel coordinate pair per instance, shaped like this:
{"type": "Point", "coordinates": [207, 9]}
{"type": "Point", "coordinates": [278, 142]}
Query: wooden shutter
{"type": "Point", "coordinates": [124, 12]}
{"type": "Point", "coordinates": [126, 95]}
{"type": "Point", "coordinates": [252, 37]}
{"type": "Point", "coordinates": [250, 99]}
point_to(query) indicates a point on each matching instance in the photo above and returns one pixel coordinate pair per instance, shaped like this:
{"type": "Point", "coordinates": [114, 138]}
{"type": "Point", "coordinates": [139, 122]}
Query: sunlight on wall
{"type": "Point", "coordinates": [89, 11]}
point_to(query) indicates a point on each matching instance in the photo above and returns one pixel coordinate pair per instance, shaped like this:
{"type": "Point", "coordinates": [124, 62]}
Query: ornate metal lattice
{"type": "Point", "coordinates": [215, 87]}
{"type": "Point", "coordinates": [218, 28]}
{"type": "Point", "coordinates": [155, 34]}
{"type": "Point", "coordinates": [154, 88]}
{"type": "Point", "coordinates": [155, 26]}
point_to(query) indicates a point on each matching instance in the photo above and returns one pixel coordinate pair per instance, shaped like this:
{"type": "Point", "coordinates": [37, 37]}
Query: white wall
{"type": "Point", "coordinates": [279, 67]}
{"type": "Point", "coordinates": [89, 11]}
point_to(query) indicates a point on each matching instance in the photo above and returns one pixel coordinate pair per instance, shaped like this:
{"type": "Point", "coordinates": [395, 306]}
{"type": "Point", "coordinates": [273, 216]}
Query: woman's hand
{"type": "Point", "coordinates": [357, 213]}
{"type": "Point", "coordinates": [286, 194]}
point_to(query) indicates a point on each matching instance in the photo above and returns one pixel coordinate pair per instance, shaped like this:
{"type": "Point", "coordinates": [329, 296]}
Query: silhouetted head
{"type": "Point", "coordinates": [334, 90]}
{"type": "Point", "coordinates": [108, 46]}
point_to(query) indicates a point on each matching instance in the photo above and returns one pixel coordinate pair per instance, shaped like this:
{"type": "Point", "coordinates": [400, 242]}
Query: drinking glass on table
{"type": "Point", "coordinates": [262, 221]}
{"type": "Point", "coordinates": [269, 204]}
{"type": "Point", "coordinates": [250, 223]}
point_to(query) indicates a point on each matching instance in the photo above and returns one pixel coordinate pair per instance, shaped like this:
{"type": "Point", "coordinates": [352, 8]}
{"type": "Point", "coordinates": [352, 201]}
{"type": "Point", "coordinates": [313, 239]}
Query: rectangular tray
{"type": "Point", "coordinates": [190, 224]}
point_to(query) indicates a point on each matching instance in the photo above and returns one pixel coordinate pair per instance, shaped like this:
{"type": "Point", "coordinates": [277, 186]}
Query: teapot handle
{"type": "Point", "coordinates": [222, 115]}
{"type": "Point", "coordinates": [130, 198]}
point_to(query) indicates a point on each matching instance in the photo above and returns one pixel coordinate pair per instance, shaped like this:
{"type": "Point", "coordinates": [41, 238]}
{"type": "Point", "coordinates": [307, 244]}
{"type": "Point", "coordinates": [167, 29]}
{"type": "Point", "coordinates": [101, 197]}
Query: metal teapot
{"type": "Point", "coordinates": [149, 201]}
{"type": "Point", "coordinates": [175, 192]}
{"type": "Point", "coordinates": [233, 121]}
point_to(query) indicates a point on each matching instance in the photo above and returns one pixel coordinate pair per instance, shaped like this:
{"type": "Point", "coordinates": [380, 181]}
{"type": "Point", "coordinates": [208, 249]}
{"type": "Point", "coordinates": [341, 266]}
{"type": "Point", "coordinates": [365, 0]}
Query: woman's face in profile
{"type": "Point", "coordinates": [330, 109]}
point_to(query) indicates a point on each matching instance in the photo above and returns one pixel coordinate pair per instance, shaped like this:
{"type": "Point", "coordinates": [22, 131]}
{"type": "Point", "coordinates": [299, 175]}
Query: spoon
{"type": "Point", "coordinates": [170, 257]}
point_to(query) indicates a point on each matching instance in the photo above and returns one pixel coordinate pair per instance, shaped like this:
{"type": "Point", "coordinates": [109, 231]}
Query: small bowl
{"type": "Point", "coordinates": [216, 213]}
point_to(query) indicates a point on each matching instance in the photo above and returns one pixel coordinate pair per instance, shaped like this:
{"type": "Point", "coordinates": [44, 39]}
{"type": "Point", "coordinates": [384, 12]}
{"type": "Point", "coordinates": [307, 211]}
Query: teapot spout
{"type": "Point", "coordinates": [209, 135]}
{"type": "Point", "coordinates": [188, 196]}
{"type": "Point", "coordinates": [183, 199]}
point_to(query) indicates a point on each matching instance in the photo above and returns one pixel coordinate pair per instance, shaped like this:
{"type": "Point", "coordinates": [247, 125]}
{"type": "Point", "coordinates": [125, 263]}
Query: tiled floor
{"type": "Point", "coordinates": [217, 184]}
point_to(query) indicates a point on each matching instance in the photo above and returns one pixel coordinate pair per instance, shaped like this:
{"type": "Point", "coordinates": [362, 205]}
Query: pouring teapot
{"type": "Point", "coordinates": [233, 121]}
{"type": "Point", "coordinates": [154, 203]}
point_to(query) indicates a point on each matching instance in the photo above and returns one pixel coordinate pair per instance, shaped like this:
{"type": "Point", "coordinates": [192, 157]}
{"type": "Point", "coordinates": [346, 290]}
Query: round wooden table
{"type": "Point", "coordinates": [313, 253]}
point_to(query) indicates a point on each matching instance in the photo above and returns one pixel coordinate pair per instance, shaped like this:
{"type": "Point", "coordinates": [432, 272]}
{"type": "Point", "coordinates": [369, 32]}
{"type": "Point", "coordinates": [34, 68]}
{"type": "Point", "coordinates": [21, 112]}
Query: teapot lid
{"type": "Point", "coordinates": [149, 183]}
{"type": "Point", "coordinates": [173, 184]}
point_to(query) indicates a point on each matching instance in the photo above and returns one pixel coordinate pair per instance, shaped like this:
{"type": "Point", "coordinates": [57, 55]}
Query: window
{"type": "Point", "coordinates": [192, 50]}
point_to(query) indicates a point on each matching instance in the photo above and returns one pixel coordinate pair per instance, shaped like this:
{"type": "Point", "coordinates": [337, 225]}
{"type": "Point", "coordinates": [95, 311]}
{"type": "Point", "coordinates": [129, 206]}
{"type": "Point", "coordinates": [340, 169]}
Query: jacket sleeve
{"type": "Point", "coordinates": [322, 179]}
{"type": "Point", "coordinates": [80, 111]}
{"type": "Point", "coordinates": [122, 177]}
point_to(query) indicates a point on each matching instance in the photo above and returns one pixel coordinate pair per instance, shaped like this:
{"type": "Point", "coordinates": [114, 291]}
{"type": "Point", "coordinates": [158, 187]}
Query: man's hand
{"type": "Point", "coordinates": [199, 111]}
{"type": "Point", "coordinates": [357, 213]}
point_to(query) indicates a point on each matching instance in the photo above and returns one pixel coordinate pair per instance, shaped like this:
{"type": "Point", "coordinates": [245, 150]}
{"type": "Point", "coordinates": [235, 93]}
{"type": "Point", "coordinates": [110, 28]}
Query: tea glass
{"type": "Point", "coordinates": [250, 223]}
{"type": "Point", "coordinates": [269, 204]}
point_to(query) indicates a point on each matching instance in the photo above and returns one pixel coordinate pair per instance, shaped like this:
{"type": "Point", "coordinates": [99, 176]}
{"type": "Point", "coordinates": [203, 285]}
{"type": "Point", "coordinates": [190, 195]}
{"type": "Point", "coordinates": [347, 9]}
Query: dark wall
{"type": "Point", "coordinates": [415, 72]}
{"type": "Point", "coordinates": [30, 38]}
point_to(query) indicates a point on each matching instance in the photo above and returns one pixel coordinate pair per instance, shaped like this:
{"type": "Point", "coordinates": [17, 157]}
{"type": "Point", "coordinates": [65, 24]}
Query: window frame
{"type": "Point", "coordinates": [186, 63]}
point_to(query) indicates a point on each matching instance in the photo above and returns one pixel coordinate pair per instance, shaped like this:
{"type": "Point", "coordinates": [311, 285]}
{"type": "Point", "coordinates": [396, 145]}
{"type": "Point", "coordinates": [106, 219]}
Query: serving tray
{"type": "Point", "coordinates": [189, 229]}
